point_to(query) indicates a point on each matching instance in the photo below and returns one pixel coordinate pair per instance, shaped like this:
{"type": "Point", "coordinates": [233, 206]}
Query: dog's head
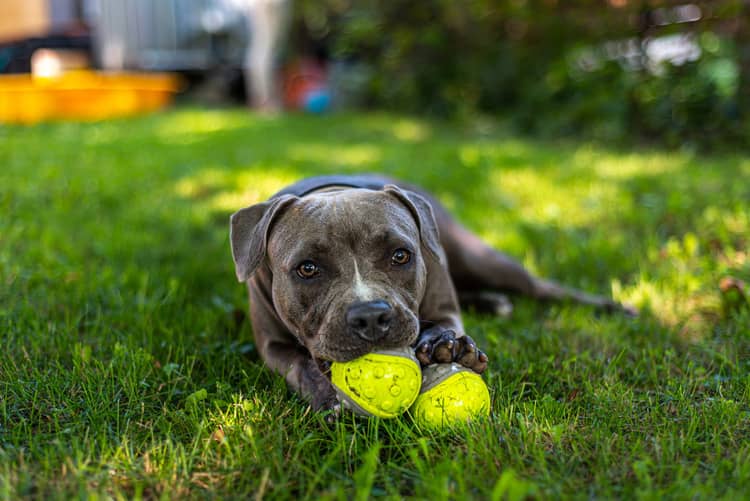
{"type": "Point", "coordinates": [348, 270]}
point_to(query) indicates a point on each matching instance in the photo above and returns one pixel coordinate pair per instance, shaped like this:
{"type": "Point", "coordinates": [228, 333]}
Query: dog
{"type": "Point", "coordinates": [338, 266]}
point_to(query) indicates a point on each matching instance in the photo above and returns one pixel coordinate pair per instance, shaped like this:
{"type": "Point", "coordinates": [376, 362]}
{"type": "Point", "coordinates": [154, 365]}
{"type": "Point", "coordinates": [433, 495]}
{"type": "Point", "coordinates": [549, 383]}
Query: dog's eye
{"type": "Point", "coordinates": [308, 269]}
{"type": "Point", "coordinates": [400, 257]}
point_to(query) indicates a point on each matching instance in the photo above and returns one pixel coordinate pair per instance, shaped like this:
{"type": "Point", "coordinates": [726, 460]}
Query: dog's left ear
{"type": "Point", "coordinates": [422, 212]}
{"type": "Point", "coordinates": [248, 232]}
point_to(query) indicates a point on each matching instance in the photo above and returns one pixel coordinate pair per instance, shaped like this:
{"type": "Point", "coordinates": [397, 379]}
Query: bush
{"type": "Point", "coordinates": [547, 65]}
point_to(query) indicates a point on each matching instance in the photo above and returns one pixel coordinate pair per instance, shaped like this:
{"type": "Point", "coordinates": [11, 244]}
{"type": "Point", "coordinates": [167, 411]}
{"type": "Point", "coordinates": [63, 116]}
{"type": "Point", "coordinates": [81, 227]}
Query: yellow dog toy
{"type": "Point", "coordinates": [387, 383]}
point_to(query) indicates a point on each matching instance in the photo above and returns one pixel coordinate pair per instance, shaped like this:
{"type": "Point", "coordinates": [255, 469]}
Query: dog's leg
{"type": "Point", "coordinates": [487, 302]}
{"type": "Point", "coordinates": [302, 373]}
{"type": "Point", "coordinates": [475, 267]}
{"type": "Point", "coordinates": [442, 338]}
{"type": "Point", "coordinates": [282, 352]}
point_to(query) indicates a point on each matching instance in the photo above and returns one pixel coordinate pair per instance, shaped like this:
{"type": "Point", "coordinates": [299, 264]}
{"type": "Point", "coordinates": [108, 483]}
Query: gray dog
{"type": "Point", "coordinates": [338, 266]}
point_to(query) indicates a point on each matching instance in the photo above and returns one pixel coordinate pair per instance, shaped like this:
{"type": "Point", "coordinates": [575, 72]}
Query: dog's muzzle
{"type": "Point", "coordinates": [369, 320]}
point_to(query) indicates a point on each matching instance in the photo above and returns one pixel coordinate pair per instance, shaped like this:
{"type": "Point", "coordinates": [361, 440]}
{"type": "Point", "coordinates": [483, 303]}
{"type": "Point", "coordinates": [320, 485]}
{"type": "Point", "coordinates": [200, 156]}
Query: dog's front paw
{"type": "Point", "coordinates": [626, 309]}
{"type": "Point", "coordinates": [332, 412]}
{"type": "Point", "coordinates": [327, 404]}
{"type": "Point", "coordinates": [318, 388]}
{"type": "Point", "coordinates": [438, 345]}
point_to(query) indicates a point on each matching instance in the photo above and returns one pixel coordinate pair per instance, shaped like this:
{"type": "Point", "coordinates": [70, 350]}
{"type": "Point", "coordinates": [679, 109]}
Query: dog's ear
{"type": "Point", "coordinates": [248, 232]}
{"type": "Point", "coordinates": [422, 212]}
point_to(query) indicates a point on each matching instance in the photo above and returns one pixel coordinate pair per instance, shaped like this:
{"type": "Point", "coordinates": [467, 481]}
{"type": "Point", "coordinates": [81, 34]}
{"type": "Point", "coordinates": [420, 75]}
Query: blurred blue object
{"type": "Point", "coordinates": [317, 101]}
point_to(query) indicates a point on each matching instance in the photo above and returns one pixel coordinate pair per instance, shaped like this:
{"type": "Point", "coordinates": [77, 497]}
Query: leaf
{"type": "Point", "coordinates": [511, 488]}
{"type": "Point", "coordinates": [195, 397]}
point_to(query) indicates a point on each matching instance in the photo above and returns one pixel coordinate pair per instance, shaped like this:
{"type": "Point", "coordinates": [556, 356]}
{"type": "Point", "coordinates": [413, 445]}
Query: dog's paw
{"type": "Point", "coordinates": [610, 306]}
{"type": "Point", "coordinates": [332, 413]}
{"type": "Point", "coordinates": [328, 405]}
{"type": "Point", "coordinates": [629, 310]}
{"type": "Point", "coordinates": [321, 392]}
{"type": "Point", "coordinates": [438, 345]}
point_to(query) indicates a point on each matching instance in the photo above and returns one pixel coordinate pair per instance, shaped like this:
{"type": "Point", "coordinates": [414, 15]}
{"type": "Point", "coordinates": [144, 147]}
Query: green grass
{"type": "Point", "coordinates": [127, 366]}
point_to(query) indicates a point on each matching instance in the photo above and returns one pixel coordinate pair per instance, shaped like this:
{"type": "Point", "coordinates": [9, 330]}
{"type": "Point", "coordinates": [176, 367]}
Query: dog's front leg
{"type": "Point", "coordinates": [442, 338]}
{"type": "Point", "coordinates": [303, 374]}
{"type": "Point", "coordinates": [282, 352]}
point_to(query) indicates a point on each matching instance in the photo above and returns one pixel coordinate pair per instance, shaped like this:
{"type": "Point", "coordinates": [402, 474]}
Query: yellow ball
{"type": "Point", "coordinates": [382, 384]}
{"type": "Point", "coordinates": [451, 395]}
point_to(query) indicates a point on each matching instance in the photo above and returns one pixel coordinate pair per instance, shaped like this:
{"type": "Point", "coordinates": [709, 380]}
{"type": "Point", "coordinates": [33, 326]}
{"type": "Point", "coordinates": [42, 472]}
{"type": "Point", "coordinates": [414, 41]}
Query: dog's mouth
{"type": "Point", "coordinates": [344, 354]}
{"type": "Point", "coordinates": [339, 345]}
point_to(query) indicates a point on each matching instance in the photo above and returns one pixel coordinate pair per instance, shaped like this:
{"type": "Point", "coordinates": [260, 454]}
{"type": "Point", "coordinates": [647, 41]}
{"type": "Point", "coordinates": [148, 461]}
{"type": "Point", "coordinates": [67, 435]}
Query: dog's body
{"type": "Point", "coordinates": [338, 266]}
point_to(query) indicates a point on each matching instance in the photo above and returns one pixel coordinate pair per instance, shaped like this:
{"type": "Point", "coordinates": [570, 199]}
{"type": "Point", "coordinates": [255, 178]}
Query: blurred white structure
{"type": "Point", "coordinates": [268, 21]}
{"type": "Point", "coordinates": [195, 35]}
{"type": "Point", "coordinates": [167, 34]}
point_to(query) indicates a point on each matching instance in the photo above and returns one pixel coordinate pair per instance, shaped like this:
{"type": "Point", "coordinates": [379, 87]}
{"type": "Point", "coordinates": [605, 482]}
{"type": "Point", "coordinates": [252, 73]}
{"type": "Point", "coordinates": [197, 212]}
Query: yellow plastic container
{"type": "Point", "coordinates": [83, 95]}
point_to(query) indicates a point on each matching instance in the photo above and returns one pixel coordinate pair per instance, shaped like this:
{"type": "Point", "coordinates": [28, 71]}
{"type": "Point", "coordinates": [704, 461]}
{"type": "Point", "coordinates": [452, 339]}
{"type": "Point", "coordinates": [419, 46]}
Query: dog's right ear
{"type": "Point", "coordinates": [423, 214]}
{"type": "Point", "coordinates": [248, 232]}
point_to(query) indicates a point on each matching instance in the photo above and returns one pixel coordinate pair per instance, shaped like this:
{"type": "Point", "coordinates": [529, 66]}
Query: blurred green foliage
{"type": "Point", "coordinates": [552, 67]}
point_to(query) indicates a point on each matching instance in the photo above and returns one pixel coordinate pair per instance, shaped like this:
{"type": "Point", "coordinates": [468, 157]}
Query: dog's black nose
{"type": "Point", "coordinates": [369, 320]}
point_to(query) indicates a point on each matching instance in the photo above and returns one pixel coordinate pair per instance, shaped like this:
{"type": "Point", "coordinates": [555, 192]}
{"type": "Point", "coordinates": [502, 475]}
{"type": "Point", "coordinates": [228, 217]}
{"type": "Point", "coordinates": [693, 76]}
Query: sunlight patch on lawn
{"type": "Point", "coordinates": [207, 182]}
{"type": "Point", "coordinates": [734, 223]}
{"type": "Point", "coordinates": [470, 155]}
{"type": "Point", "coordinates": [685, 307]}
{"type": "Point", "coordinates": [253, 187]}
{"type": "Point", "coordinates": [188, 127]}
{"type": "Point", "coordinates": [505, 153]}
{"type": "Point", "coordinates": [410, 131]}
{"type": "Point", "coordinates": [405, 129]}
{"type": "Point", "coordinates": [228, 190]}
{"type": "Point", "coordinates": [241, 414]}
{"type": "Point", "coordinates": [358, 155]}
{"type": "Point", "coordinates": [645, 295]}
{"type": "Point", "coordinates": [623, 167]}
{"type": "Point", "coordinates": [544, 199]}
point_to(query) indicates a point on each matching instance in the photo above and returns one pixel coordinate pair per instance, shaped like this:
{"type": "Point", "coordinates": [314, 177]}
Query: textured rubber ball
{"type": "Point", "coordinates": [451, 395]}
{"type": "Point", "coordinates": [381, 383]}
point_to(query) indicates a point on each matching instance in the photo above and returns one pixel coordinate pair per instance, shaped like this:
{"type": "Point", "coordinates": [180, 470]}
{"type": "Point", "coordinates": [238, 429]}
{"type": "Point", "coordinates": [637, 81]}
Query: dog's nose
{"type": "Point", "coordinates": [369, 320]}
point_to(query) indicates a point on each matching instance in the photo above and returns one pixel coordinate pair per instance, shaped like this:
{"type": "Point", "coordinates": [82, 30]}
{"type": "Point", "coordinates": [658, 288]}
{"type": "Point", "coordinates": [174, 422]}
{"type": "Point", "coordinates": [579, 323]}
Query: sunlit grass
{"type": "Point", "coordinates": [189, 126]}
{"type": "Point", "coordinates": [363, 156]}
{"type": "Point", "coordinates": [410, 130]}
{"type": "Point", "coordinates": [127, 367]}
{"type": "Point", "coordinates": [222, 190]}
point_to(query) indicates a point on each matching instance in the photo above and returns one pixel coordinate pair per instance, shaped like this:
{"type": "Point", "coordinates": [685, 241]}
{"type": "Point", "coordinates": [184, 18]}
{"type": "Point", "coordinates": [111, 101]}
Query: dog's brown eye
{"type": "Point", "coordinates": [401, 257]}
{"type": "Point", "coordinates": [307, 269]}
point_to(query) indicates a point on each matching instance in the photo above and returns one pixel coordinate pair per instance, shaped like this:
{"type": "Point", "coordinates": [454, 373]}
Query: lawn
{"type": "Point", "coordinates": [127, 365]}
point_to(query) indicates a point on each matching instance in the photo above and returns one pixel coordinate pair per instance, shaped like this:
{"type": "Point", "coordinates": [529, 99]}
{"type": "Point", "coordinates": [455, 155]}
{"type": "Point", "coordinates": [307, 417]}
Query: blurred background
{"type": "Point", "coordinates": [668, 72]}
